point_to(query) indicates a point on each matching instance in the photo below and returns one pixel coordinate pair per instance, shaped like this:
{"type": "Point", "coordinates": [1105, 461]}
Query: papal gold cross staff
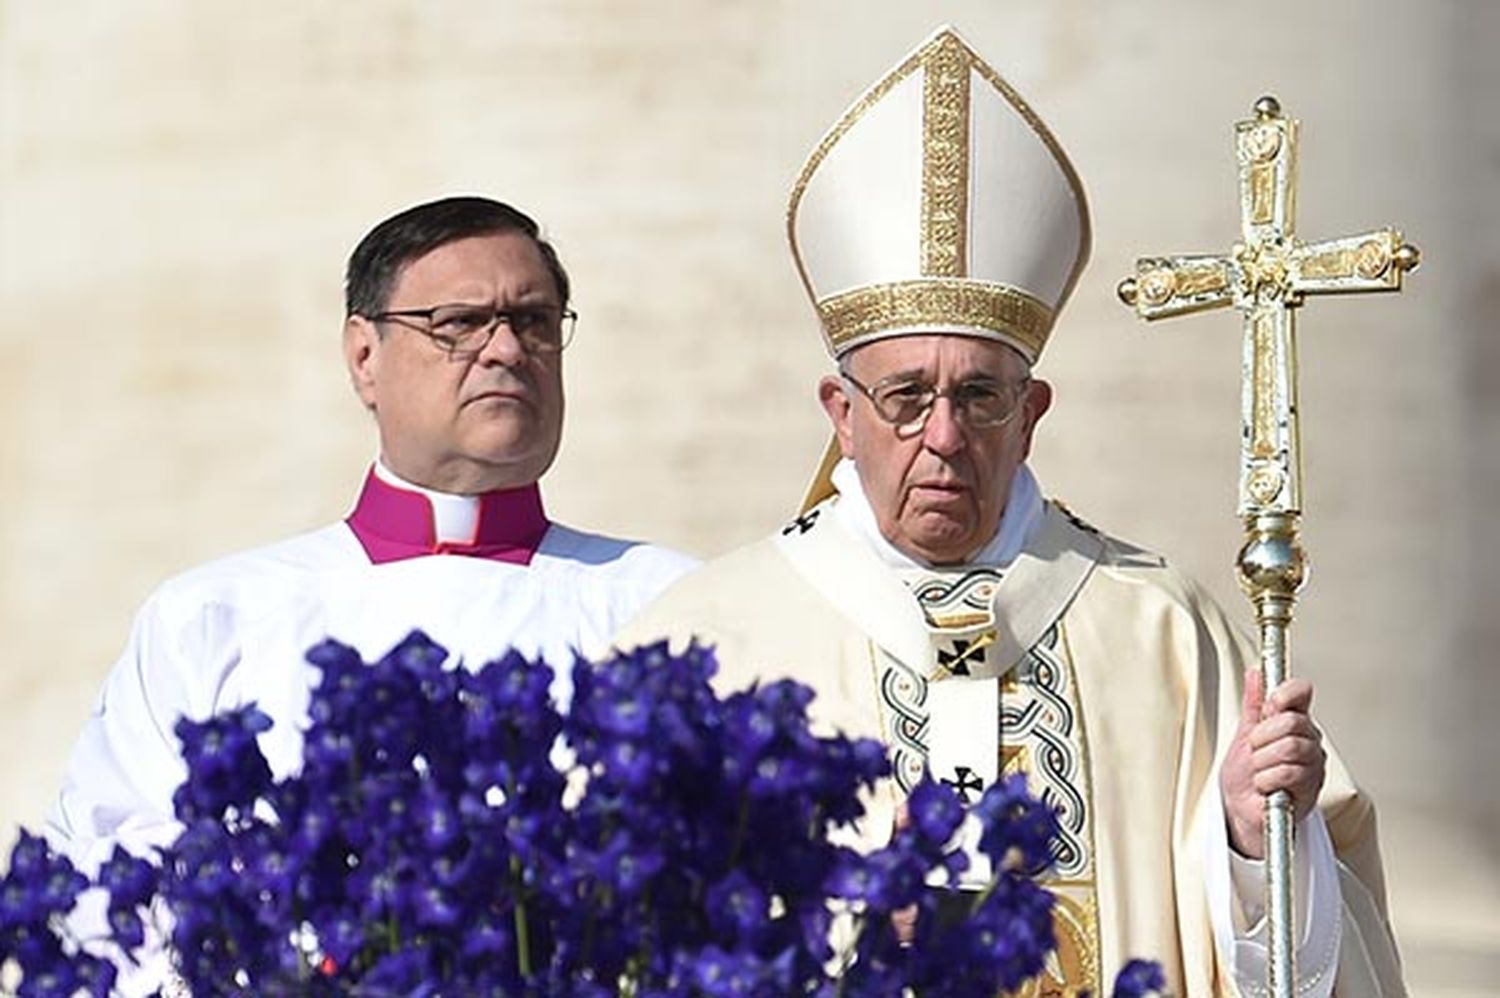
{"type": "Point", "coordinates": [1267, 275]}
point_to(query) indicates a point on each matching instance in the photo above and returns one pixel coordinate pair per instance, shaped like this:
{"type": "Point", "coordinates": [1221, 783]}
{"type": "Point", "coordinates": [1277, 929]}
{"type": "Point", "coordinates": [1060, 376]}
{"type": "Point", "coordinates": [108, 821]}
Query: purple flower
{"type": "Point", "coordinates": [40, 888]}
{"type": "Point", "coordinates": [1019, 829]}
{"type": "Point", "coordinates": [737, 907]}
{"type": "Point", "coordinates": [40, 884]}
{"type": "Point", "coordinates": [436, 907]}
{"type": "Point", "coordinates": [406, 972]}
{"type": "Point", "coordinates": [341, 939]}
{"type": "Point", "coordinates": [225, 765]}
{"type": "Point", "coordinates": [720, 973]}
{"type": "Point", "coordinates": [935, 812]}
{"type": "Point", "coordinates": [129, 880]}
{"type": "Point", "coordinates": [630, 764]}
{"type": "Point", "coordinates": [438, 820]}
{"type": "Point", "coordinates": [1012, 932]}
{"type": "Point", "coordinates": [1140, 979]}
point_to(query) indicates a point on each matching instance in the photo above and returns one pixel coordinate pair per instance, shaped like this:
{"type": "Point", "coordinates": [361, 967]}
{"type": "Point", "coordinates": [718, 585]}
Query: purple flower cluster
{"type": "Point", "coordinates": [403, 854]}
{"type": "Point", "coordinates": [451, 832]}
{"type": "Point", "coordinates": [959, 943]}
{"type": "Point", "coordinates": [36, 896]}
{"type": "Point", "coordinates": [695, 862]}
{"type": "Point", "coordinates": [1140, 979]}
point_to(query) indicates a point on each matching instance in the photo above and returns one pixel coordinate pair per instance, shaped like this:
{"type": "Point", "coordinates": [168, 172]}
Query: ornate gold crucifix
{"type": "Point", "coordinates": [1267, 275]}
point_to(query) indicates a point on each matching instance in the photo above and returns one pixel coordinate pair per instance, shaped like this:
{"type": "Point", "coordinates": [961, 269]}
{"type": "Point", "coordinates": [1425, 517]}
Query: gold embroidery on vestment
{"type": "Point", "coordinates": [936, 303]}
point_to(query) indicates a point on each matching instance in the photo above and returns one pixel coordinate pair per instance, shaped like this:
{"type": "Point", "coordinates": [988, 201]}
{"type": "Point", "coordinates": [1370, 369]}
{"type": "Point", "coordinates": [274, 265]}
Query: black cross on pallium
{"type": "Point", "coordinates": [956, 662]}
{"type": "Point", "coordinates": [803, 523]}
{"type": "Point", "coordinates": [965, 780]}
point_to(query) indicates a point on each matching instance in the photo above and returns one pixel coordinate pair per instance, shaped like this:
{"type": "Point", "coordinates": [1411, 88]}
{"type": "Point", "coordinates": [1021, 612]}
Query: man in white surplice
{"type": "Point", "coordinates": [457, 314]}
{"type": "Point", "coordinates": [934, 599]}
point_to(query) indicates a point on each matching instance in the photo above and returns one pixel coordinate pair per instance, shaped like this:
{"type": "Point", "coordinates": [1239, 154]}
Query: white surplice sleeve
{"type": "Point", "coordinates": [1237, 907]}
{"type": "Point", "coordinates": [126, 764]}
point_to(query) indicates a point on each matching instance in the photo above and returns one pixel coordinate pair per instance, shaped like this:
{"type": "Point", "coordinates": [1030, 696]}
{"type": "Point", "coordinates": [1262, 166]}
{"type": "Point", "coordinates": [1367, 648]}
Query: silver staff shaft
{"type": "Point", "coordinates": [1272, 567]}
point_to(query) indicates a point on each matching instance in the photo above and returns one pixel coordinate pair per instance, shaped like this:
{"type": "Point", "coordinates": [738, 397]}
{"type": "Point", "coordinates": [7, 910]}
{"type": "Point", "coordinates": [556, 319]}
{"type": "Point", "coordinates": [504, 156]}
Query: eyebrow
{"type": "Point", "coordinates": [910, 374]}
{"type": "Point", "coordinates": [528, 296]}
{"type": "Point", "coordinates": [917, 374]}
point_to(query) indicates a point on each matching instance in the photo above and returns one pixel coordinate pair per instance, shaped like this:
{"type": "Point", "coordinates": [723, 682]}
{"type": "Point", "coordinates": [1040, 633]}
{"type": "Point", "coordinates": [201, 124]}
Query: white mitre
{"type": "Point", "coordinates": [939, 202]}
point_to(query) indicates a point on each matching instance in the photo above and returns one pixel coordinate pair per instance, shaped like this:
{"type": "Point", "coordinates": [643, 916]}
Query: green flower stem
{"type": "Point", "coordinates": [523, 932]}
{"type": "Point", "coordinates": [601, 899]}
{"type": "Point", "coordinates": [984, 895]}
{"type": "Point", "coordinates": [642, 959]}
{"type": "Point", "coordinates": [741, 827]}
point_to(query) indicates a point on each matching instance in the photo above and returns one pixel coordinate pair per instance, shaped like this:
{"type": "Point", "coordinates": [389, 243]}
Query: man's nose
{"type": "Point", "coordinates": [942, 433]}
{"type": "Point", "coordinates": [504, 347]}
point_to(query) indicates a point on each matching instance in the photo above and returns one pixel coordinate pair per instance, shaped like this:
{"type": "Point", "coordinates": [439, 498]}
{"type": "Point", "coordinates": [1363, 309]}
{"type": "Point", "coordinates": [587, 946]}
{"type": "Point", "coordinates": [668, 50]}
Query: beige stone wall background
{"type": "Point", "coordinates": [180, 183]}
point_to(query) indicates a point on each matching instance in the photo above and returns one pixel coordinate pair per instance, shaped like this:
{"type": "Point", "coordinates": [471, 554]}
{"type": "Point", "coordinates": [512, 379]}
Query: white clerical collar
{"type": "Point", "coordinates": [1023, 515]}
{"type": "Point", "coordinates": [455, 518]}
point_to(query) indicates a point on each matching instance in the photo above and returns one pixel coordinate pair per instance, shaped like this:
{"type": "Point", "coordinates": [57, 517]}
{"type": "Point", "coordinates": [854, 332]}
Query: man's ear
{"type": "Point", "coordinates": [362, 357]}
{"type": "Point", "coordinates": [836, 403]}
{"type": "Point", "coordinates": [1038, 400]}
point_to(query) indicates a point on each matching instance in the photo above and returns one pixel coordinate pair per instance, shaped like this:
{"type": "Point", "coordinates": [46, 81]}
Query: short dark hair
{"type": "Point", "coordinates": [417, 231]}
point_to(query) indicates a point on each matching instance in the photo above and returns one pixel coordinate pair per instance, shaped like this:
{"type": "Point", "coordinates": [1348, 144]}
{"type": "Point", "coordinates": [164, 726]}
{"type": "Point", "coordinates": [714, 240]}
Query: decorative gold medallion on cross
{"type": "Point", "coordinates": [1267, 276]}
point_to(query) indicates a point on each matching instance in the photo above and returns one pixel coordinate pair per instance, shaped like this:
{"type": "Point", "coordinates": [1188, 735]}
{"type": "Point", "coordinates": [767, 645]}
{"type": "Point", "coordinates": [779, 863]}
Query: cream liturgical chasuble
{"type": "Point", "coordinates": [1085, 663]}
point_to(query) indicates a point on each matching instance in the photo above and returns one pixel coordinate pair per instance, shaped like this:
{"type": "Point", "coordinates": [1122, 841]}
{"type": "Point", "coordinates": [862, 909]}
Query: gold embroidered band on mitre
{"type": "Point", "coordinates": [976, 308]}
{"type": "Point", "coordinates": [945, 159]}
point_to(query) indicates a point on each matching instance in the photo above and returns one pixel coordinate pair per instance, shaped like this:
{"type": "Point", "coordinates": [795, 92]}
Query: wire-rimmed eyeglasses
{"type": "Point", "coordinates": [463, 330]}
{"type": "Point", "coordinates": [979, 403]}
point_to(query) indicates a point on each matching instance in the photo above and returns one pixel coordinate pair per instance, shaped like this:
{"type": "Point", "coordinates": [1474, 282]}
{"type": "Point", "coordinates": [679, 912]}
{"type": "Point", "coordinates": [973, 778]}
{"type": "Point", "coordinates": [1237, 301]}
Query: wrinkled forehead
{"type": "Point", "coordinates": [478, 265]}
{"type": "Point", "coordinates": [951, 356]}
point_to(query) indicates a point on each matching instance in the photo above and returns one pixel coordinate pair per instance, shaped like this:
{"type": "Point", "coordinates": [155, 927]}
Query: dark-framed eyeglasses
{"type": "Point", "coordinates": [463, 330]}
{"type": "Point", "coordinates": [979, 403]}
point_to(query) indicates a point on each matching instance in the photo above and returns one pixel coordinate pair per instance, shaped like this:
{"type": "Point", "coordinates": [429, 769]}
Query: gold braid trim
{"type": "Point", "coordinates": [945, 160]}
{"type": "Point", "coordinates": [978, 308]}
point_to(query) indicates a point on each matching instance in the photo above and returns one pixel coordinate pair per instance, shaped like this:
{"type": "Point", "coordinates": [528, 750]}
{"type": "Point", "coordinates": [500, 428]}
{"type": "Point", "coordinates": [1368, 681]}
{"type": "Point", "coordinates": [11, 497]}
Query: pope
{"type": "Point", "coordinates": [935, 599]}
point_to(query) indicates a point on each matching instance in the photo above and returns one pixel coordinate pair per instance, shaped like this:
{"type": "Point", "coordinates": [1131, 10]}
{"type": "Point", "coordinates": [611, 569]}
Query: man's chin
{"type": "Point", "coordinates": [941, 538]}
{"type": "Point", "coordinates": [505, 436]}
{"type": "Point", "coordinates": [510, 460]}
